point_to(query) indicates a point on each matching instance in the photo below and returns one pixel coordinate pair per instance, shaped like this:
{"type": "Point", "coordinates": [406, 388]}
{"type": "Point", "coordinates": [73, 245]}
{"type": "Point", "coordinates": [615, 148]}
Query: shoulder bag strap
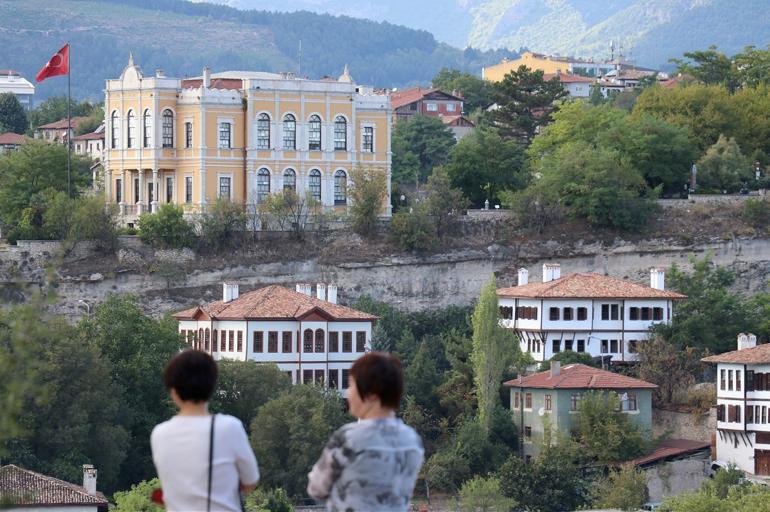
{"type": "Point", "coordinates": [211, 459]}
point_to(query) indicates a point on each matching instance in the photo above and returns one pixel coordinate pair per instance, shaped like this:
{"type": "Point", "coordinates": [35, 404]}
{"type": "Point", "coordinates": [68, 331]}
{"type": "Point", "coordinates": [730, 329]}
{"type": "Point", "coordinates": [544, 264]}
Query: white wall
{"type": "Point", "coordinates": [742, 455]}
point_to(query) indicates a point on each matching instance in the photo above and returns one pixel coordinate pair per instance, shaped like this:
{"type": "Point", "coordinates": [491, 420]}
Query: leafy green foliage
{"type": "Point", "coordinates": [413, 231]}
{"type": "Point", "coordinates": [757, 212]}
{"type": "Point", "coordinates": [244, 386]}
{"type": "Point", "coordinates": [525, 102]}
{"type": "Point", "coordinates": [13, 117]}
{"type": "Point", "coordinates": [476, 92]}
{"type": "Point", "coordinates": [672, 368]}
{"type": "Point", "coordinates": [370, 187]}
{"type": "Point", "coordinates": [419, 145]}
{"type": "Point", "coordinates": [271, 500]}
{"type": "Point", "coordinates": [624, 489]}
{"type": "Point", "coordinates": [605, 433]}
{"type": "Point", "coordinates": [443, 203]}
{"type": "Point", "coordinates": [166, 229]}
{"type": "Point", "coordinates": [723, 167]}
{"type": "Point", "coordinates": [288, 433]}
{"type": "Point", "coordinates": [709, 67]}
{"type": "Point", "coordinates": [484, 495]}
{"type": "Point", "coordinates": [55, 109]}
{"type": "Point", "coordinates": [137, 499]}
{"type": "Point", "coordinates": [725, 493]}
{"type": "Point", "coordinates": [483, 163]}
{"type": "Point", "coordinates": [570, 357]}
{"type": "Point", "coordinates": [287, 211]}
{"type": "Point", "coordinates": [222, 226]}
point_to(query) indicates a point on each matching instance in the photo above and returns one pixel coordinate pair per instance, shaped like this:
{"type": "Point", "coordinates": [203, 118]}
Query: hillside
{"type": "Point", "coordinates": [651, 31]}
{"type": "Point", "coordinates": [181, 37]}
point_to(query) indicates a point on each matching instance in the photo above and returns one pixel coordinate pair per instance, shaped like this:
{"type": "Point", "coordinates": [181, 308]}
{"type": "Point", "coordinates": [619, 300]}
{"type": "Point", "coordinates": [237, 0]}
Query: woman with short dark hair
{"type": "Point", "coordinates": [373, 464]}
{"type": "Point", "coordinates": [203, 460]}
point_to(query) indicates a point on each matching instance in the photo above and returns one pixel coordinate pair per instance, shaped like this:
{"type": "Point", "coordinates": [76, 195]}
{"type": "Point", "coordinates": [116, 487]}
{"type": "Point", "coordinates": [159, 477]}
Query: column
{"type": "Point", "coordinates": [155, 191]}
{"type": "Point", "coordinates": [250, 199]}
{"type": "Point", "coordinates": [203, 190]}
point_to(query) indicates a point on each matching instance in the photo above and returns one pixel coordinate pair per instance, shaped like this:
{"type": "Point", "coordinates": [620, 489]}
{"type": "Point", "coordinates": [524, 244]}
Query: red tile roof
{"type": "Point", "coordinates": [456, 121]}
{"type": "Point", "coordinates": [273, 302]}
{"type": "Point", "coordinates": [580, 376]}
{"type": "Point", "coordinates": [567, 78]}
{"type": "Point", "coordinates": [91, 136]}
{"type": "Point", "coordinates": [61, 124]}
{"type": "Point", "coordinates": [755, 355]}
{"type": "Point", "coordinates": [24, 487]}
{"type": "Point", "coordinates": [587, 286]}
{"type": "Point", "coordinates": [406, 96]}
{"type": "Point", "coordinates": [671, 448]}
{"type": "Point", "coordinates": [10, 138]}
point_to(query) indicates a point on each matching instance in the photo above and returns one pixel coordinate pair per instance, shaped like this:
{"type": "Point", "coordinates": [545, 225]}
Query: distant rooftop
{"type": "Point", "coordinates": [587, 286]}
{"type": "Point", "coordinates": [580, 376]}
{"type": "Point", "coordinates": [29, 489]}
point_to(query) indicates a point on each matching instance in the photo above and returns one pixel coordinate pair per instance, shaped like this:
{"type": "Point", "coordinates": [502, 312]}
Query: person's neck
{"type": "Point", "coordinates": [378, 412]}
{"type": "Point", "coordinates": [193, 409]}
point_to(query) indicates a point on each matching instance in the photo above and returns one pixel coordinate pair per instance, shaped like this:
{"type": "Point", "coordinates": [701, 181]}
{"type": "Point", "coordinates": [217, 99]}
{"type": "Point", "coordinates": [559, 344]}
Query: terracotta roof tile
{"type": "Point", "coordinates": [671, 448]}
{"type": "Point", "coordinates": [755, 355]}
{"type": "Point", "coordinates": [61, 124]}
{"type": "Point", "coordinates": [90, 136]}
{"type": "Point", "coordinates": [580, 376]}
{"type": "Point", "coordinates": [12, 138]}
{"type": "Point", "coordinates": [587, 286]}
{"type": "Point", "coordinates": [273, 302]}
{"type": "Point", "coordinates": [406, 96]}
{"type": "Point", "coordinates": [24, 487]}
{"type": "Point", "coordinates": [567, 78]}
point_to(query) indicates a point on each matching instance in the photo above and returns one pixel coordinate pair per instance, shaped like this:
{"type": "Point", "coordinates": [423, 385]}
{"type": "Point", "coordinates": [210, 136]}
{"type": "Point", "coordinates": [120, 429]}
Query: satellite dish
{"type": "Point", "coordinates": [541, 411]}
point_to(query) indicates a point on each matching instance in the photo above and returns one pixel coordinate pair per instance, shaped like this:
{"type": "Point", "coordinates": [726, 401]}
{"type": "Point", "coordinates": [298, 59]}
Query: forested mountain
{"type": "Point", "coordinates": [650, 31]}
{"type": "Point", "coordinates": [181, 37]}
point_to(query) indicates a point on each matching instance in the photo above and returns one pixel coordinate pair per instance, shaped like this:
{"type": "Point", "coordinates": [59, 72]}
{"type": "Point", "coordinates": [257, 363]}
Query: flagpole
{"type": "Point", "coordinates": [69, 121]}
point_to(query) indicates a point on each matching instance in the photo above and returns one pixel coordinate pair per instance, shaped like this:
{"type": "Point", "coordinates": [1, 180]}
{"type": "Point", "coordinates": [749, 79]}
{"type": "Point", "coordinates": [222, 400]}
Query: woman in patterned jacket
{"type": "Point", "coordinates": [370, 465]}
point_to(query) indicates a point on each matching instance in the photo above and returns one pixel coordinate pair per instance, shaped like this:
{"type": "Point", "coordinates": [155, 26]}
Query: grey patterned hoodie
{"type": "Point", "coordinates": [368, 466]}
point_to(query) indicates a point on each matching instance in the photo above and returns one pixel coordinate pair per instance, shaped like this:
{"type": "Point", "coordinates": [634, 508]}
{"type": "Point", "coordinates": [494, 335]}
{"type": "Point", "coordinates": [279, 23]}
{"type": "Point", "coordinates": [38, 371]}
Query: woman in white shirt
{"type": "Point", "coordinates": [204, 461]}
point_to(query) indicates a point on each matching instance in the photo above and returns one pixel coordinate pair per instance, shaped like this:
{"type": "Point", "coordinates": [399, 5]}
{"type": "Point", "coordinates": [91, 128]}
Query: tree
{"type": "Point", "coordinates": [670, 368]}
{"type": "Point", "coordinates": [244, 386]}
{"type": "Point", "coordinates": [13, 117]}
{"type": "Point", "coordinates": [524, 103]}
{"type": "Point", "coordinates": [286, 210]}
{"type": "Point", "coordinates": [34, 168]}
{"type": "Point", "coordinates": [493, 350]}
{"type": "Point", "coordinates": [138, 498]}
{"type": "Point", "coordinates": [443, 203]}
{"type": "Point", "coordinates": [753, 66]}
{"type": "Point", "coordinates": [289, 432]}
{"type": "Point", "coordinates": [73, 385]}
{"type": "Point", "coordinates": [604, 432]}
{"type": "Point", "coordinates": [55, 108]}
{"type": "Point", "coordinates": [425, 137]}
{"type": "Point", "coordinates": [484, 495]}
{"type": "Point", "coordinates": [483, 164]}
{"type": "Point", "coordinates": [370, 188]}
{"type": "Point", "coordinates": [550, 483]}
{"type": "Point", "coordinates": [137, 347]}
{"type": "Point", "coordinates": [570, 357]}
{"type": "Point", "coordinates": [476, 92]}
{"type": "Point", "coordinates": [222, 226]}
{"type": "Point", "coordinates": [712, 315]}
{"type": "Point", "coordinates": [92, 122]}
{"type": "Point", "coordinates": [723, 167]}
{"type": "Point", "coordinates": [270, 500]}
{"type": "Point", "coordinates": [709, 67]}
{"type": "Point", "coordinates": [166, 229]}
{"type": "Point", "coordinates": [413, 231]}
{"type": "Point", "coordinates": [624, 489]}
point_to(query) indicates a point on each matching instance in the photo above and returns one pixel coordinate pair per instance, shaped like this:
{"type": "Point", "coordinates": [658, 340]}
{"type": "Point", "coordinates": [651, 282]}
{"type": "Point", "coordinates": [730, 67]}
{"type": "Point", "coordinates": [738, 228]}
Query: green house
{"type": "Point", "coordinates": [553, 398]}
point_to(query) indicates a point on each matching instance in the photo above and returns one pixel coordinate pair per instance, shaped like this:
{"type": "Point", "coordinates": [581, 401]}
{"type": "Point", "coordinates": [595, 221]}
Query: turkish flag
{"type": "Point", "coordinates": [58, 65]}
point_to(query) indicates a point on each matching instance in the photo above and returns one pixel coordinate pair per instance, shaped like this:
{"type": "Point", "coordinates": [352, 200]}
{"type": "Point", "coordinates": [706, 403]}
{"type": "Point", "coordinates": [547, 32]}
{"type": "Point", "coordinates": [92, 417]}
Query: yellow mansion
{"type": "Point", "coordinates": [238, 135]}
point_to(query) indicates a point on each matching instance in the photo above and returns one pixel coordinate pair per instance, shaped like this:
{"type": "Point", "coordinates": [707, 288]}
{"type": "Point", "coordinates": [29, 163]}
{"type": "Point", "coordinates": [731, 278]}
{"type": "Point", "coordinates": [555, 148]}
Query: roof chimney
{"type": "Point", "coordinates": [331, 293]}
{"type": "Point", "coordinates": [523, 276]}
{"type": "Point", "coordinates": [320, 291]}
{"type": "Point", "coordinates": [658, 278]}
{"type": "Point", "coordinates": [89, 479]}
{"type": "Point", "coordinates": [746, 341]}
{"type": "Point", "coordinates": [229, 291]}
{"type": "Point", "coordinates": [206, 77]}
{"type": "Point", "coordinates": [555, 368]}
{"type": "Point", "coordinates": [551, 272]}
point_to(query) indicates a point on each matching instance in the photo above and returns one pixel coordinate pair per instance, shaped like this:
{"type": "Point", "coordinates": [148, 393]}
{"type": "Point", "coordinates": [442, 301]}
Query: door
{"type": "Point", "coordinates": [762, 462]}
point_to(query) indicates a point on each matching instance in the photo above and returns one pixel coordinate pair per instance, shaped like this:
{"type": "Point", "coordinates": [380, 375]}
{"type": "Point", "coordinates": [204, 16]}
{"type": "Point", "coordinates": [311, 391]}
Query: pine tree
{"type": "Point", "coordinates": [12, 115]}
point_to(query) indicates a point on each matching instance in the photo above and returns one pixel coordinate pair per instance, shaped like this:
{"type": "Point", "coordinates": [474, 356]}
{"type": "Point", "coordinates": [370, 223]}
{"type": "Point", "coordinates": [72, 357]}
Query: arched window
{"type": "Point", "coordinates": [263, 185]}
{"type": "Point", "coordinates": [168, 129]}
{"type": "Point", "coordinates": [115, 126]}
{"type": "Point", "coordinates": [290, 180]}
{"type": "Point", "coordinates": [289, 132]}
{"type": "Point", "coordinates": [147, 129]}
{"type": "Point", "coordinates": [314, 184]}
{"type": "Point", "coordinates": [263, 131]}
{"type": "Point", "coordinates": [314, 133]}
{"type": "Point", "coordinates": [307, 340]}
{"type": "Point", "coordinates": [131, 136]}
{"type": "Point", "coordinates": [319, 340]}
{"type": "Point", "coordinates": [340, 134]}
{"type": "Point", "coordinates": [340, 187]}
{"type": "Point", "coordinates": [206, 343]}
{"type": "Point", "coordinates": [199, 341]}
{"type": "Point", "coordinates": [214, 342]}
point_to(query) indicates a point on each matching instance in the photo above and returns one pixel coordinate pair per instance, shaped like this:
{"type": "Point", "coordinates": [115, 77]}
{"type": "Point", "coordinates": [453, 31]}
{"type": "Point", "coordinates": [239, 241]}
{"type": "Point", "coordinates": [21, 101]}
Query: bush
{"type": "Point", "coordinates": [370, 187]}
{"type": "Point", "coordinates": [757, 212]}
{"type": "Point", "coordinates": [222, 227]}
{"type": "Point", "coordinates": [166, 229]}
{"type": "Point", "coordinates": [484, 495]}
{"type": "Point", "coordinates": [625, 489]}
{"type": "Point", "coordinates": [413, 231]}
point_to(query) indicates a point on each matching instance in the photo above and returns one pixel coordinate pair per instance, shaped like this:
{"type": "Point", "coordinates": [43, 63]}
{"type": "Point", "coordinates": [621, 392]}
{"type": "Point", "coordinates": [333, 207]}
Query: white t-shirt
{"type": "Point", "coordinates": [180, 450]}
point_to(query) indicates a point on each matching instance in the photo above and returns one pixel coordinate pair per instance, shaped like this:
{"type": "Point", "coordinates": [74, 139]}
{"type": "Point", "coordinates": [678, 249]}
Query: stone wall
{"type": "Point", "coordinates": [677, 476]}
{"type": "Point", "coordinates": [681, 425]}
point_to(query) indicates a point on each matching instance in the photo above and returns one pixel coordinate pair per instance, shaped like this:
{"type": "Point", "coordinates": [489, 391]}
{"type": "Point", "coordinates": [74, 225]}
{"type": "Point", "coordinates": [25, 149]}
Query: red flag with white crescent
{"type": "Point", "coordinates": [58, 65]}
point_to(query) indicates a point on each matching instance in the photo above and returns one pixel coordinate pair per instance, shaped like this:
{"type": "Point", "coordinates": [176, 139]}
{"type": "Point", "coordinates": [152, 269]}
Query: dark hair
{"type": "Point", "coordinates": [193, 374]}
{"type": "Point", "coordinates": [379, 373]}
